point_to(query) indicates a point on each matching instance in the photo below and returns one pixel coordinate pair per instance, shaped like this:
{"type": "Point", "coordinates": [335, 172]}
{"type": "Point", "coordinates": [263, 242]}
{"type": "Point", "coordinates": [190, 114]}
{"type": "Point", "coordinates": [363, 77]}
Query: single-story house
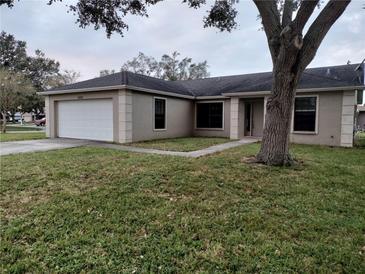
{"type": "Point", "coordinates": [127, 107]}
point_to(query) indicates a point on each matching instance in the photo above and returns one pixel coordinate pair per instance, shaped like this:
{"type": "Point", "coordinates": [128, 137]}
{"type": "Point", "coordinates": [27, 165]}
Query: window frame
{"type": "Point", "coordinates": [315, 132]}
{"type": "Point", "coordinates": [154, 113]}
{"type": "Point", "coordinates": [196, 115]}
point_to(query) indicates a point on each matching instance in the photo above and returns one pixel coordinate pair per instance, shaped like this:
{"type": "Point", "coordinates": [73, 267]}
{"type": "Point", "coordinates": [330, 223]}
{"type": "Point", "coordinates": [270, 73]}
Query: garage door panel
{"type": "Point", "coordinates": [86, 119]}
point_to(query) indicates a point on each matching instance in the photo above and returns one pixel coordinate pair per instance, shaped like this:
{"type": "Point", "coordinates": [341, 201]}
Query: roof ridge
{"type": "Point", "coordinates": [224, 76]}
{"type": "Point", "coordinates": [235, 75]}
{"type": "Point", "coordinates": [145, 76]}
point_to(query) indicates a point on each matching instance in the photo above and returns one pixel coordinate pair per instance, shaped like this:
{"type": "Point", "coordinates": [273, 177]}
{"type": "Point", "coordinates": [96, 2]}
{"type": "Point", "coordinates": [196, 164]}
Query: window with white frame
{"type": "Point", "coordinates": [209, 115]}
{"type": "Point", "coordinates": [160, 113]}
{"type": "Point", "coordinates": [305, 113]}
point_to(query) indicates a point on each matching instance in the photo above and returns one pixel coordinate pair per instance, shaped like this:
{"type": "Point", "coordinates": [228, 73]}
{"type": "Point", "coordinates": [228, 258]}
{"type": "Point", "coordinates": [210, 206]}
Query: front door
{"type": "Point", "coordinates": [248, 119]}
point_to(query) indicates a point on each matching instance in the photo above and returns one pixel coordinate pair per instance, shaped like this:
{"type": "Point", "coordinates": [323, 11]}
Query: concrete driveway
{"type": "Point", "coordinates": [7, 148]}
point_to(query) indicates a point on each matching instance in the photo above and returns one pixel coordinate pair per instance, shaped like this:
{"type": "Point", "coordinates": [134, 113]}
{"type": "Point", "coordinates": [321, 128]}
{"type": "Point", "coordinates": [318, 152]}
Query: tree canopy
{"type": "Point", "coordinates": [38, 68]}
{"type": "Point", "coordinates": [39, 72]}
{"type": "Point", "coordinates": [111, 15]}
{"type": "Point", "coordinates": [14, 89]}
{"type": "Point", "coordinates": [169, 67]}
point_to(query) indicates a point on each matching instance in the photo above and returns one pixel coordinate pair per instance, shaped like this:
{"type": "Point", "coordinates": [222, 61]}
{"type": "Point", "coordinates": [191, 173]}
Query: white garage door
{"type": "Point", "coordinates": [86, 119]}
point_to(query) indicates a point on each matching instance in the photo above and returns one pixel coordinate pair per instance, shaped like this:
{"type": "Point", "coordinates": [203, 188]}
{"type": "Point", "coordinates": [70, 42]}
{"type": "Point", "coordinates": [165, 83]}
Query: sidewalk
{"type": "Point", "coordinates": [190, 154]}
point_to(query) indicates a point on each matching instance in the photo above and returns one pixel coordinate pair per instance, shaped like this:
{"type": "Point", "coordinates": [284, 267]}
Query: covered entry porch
{"type": "Point", "coordinates": [247, 117]}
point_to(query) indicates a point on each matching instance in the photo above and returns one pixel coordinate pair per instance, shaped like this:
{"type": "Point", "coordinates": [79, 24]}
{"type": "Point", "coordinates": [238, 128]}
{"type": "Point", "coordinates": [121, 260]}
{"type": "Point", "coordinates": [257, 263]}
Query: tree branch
{"type": "Point", "coordinates": [271, 21]}
{"type": "Point", "coordinates": [287, 13]}
{"type": "Point", "coordinates": [305, 11]}
{"type": "Point", "coordinates": [318, 30]}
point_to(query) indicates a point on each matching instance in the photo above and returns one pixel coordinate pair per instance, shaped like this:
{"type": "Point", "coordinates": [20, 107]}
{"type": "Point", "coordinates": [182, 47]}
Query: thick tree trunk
{"type": "Point", "coordinates": [275, 143]}
{"type": "Point", "coordinates": [290, 54]}
{"type": "Point", "coordinates": [3, 122]}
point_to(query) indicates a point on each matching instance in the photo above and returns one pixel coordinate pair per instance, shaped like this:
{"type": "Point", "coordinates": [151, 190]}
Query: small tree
{"type": "Point", "coordinates": [38, 69]}
{"type": "Point", "coordinates": [13, 88]}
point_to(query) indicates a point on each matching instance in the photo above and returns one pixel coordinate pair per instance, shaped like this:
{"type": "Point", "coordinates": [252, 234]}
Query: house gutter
{"type": "Point", "coordinates": [210, 97]}
{"type": "Point", "coordinates": [118, 87]}
{"type": "Point", "coordinates": [268, 92]}
{"type": "Point", "coordinates": [166, 93]}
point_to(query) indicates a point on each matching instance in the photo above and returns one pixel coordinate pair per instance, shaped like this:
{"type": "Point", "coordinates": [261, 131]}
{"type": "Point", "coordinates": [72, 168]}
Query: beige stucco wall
{"type": "Point", "coordinates": [133, 118]}
{"type": "Point", "coordinates": [225, 132]}
{"type": "Point", "coordinates": [329, 121]}
{"type": "Point", "coordinates": [331, 118]}
{"type": "Point", "coordinates": [179, 117]}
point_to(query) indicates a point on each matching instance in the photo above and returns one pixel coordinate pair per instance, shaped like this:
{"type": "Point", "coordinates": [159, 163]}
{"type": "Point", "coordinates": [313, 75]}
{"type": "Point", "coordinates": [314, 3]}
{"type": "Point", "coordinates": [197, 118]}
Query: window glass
{"type": "Point", "coordinates": [305, 114]}
{"type": "Point", "coordinates": [160, 113]}
{"type": "Point", "coordinates": [209, 115]}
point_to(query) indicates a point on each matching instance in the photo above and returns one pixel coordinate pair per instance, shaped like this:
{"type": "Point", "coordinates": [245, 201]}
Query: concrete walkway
{"type": "Point", "coordinates": [191, 154]}
{"type": "Point", "coordinates": [15, 147]}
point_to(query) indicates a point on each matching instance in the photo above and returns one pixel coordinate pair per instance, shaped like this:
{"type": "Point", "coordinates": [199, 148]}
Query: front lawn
{"type": "Point", "coordinates": [7, 137]}
{"type": "Point", "coordinates": [107, 211]}
{"type": "Point", "coordinates": [182, 144]}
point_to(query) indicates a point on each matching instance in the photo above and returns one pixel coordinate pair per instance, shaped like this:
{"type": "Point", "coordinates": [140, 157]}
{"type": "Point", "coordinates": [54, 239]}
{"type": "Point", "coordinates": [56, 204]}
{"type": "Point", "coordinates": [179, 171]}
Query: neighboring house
{"type": "Point", "coordinates": [361, 117]}
{"type": "Point", "coordinates": [28, 117]}
{"type": "Point", "coordinates": [128, 107]}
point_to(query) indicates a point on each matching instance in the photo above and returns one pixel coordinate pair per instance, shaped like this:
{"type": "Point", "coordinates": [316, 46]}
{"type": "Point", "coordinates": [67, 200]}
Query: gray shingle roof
{"type": "Point", "coordinates": [322, 77]}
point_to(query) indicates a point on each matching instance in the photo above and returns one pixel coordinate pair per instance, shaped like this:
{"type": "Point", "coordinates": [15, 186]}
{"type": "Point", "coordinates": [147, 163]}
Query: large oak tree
{"type": "Point", "coordinates": [283, 22]}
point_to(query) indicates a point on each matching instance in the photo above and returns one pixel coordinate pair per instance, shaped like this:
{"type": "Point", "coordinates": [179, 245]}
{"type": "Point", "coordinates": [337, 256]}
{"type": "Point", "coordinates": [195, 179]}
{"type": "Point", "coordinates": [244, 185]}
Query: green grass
{"type": "Point", "coordinates": [21, 128]}
{"type": "Point", "coordinates": [107, 211]}
{"type": "Point", "coordinates": [7, 137]}
{"type": "Point", "coordinates": [182, 144]}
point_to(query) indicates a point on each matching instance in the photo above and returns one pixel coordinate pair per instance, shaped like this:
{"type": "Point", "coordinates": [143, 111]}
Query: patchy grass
{"type": "Point", "coordinates": [7, 137]}
{"type": "Point", "coordinates": [98, 210]}
{"type": "Point", "coordinates": [360, 139]}
{"type": "Point", "coordinates": [182, 144]}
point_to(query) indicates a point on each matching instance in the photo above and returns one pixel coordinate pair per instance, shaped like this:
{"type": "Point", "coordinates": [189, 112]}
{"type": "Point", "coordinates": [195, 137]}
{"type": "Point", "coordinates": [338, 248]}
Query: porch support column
{"type": "Point", "coordinates": [51, 117]}
{"type": "Point", "coordinates": [125, 116]}
{"type": "Point", "coordinates": [46, 112]}
{"type": "Point", "coordinates": [347, 119]}
{"type": "Point", "coordinates": [234, 130]}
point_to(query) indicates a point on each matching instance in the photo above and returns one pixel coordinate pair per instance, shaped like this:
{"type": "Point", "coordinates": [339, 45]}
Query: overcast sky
{"type": "Point", "coordinates": [171, 26]}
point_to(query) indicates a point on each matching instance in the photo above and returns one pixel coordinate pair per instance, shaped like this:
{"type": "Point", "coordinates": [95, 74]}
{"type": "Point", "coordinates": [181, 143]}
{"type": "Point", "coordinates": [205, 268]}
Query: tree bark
{"type": "Point", "coordinates": [290, 54]}
{"type": "Point", "coordinates": [3, 123]}
{"type": "Point", "coordinates": [275, 142]}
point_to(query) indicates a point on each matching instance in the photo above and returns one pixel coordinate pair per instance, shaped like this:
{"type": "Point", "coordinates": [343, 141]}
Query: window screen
{"type": "Point", "coordinates": [160, 113]}
{"type": "Point", "coordinates": [305, 114]}
{"type": "Point", "coordinates": [209, 115]}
